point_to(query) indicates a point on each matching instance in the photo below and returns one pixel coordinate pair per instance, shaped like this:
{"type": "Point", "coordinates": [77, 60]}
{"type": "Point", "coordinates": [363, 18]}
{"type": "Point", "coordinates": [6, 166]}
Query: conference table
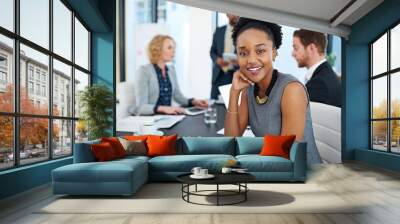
{"type": "Point", "coordinates": [194, 126]}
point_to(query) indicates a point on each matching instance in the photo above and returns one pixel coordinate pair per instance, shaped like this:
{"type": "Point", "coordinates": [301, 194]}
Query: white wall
{"type": "Point", "coordinates": [191, 28]}
{"type": "Point", "coordinates": [130, 48]}
{"type": "Point", "coordinates": [193, 60]}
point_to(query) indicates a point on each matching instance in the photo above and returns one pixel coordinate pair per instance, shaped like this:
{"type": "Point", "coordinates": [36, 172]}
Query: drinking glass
{"type": "Point", "coordinates": [210, 116]}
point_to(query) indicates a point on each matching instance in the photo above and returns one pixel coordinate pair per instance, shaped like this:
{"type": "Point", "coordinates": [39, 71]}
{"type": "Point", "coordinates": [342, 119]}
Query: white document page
{"type": "Point", "coordinates": [225, 90]}
{"type": "Point", "coordinates": [132, 123]}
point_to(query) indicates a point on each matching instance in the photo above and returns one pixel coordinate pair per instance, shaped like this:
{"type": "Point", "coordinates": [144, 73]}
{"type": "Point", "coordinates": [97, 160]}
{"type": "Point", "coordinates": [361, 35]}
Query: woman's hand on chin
{"type": "Point", "coordinates": [170, 110]}
{"type": "Point", "coordinates": [240, 82]}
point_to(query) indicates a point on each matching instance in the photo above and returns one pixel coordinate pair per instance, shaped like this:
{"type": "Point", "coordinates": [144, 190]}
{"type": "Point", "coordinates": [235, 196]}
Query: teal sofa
{"type": "Point", "coordinates": [125, 176]}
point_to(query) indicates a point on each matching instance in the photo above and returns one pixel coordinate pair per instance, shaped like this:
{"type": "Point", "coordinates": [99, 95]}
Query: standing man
{"type": "Point", "coordinates": [223, 70]}
{"type": "Point", "coordinates": [323, 85]}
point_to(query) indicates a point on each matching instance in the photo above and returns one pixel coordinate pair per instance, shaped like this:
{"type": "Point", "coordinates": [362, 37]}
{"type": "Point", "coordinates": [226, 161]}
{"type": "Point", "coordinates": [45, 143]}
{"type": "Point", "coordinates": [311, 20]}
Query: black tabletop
{"type": "Point", "coordinates": [194, 125]}
{"type": "Point", "coordinates": [220, 178]}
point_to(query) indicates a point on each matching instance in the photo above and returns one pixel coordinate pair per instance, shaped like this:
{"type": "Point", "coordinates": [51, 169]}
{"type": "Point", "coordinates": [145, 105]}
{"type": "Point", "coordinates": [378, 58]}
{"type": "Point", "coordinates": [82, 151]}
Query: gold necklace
{"type": "Point", "coordinates": [261, 100]}
{"type": "Point", "coordinates": [264, 99]}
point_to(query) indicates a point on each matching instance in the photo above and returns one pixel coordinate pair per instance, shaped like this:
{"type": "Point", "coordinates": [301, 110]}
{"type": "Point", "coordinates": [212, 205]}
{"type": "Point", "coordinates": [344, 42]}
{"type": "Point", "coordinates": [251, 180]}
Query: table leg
{"type": "Point", "coordinates": [196, 188]}
{"type": "Point", "coordinates": [217, 194]}
{"type": "Point", "coordinates": [188, 190]}
{"type": "Point", "coordinates": [245, 191]}
{"type": "Point", "coordinates": [182, 190]}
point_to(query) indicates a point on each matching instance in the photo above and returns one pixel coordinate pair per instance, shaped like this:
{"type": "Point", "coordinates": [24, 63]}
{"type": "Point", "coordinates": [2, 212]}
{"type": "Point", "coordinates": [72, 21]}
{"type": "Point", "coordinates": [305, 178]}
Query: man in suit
{"type": "Point", "coordinates": [323, 85]}
{"type": "Point", "coordinates": [223, 70]}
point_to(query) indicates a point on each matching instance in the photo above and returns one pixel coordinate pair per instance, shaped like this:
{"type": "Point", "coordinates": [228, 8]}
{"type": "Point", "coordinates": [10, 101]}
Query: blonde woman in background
{"type": "Point", "coordinates": [156, 84]}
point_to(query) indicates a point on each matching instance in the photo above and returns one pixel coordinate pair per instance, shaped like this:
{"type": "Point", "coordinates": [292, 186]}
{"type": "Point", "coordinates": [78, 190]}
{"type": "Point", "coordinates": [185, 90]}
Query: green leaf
{"type": "Point", "coordinates": [97, 102]}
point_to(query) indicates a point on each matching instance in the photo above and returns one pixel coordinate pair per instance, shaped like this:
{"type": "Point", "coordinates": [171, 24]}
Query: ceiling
{"type": "Point", "coordinates": [327, 16]}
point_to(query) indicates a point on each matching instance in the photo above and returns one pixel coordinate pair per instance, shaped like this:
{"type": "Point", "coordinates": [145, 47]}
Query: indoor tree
{"type": "Point", "coordinates": [97, 102]}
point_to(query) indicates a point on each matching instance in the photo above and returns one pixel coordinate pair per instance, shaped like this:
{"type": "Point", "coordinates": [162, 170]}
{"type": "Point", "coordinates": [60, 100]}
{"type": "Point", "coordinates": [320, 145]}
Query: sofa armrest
{"type": "Point", "coordinates": [83, 152]}
{"type": "Point", "coordinates": [298, 156]}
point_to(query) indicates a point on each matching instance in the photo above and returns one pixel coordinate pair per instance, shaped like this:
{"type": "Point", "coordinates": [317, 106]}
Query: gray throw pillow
{"type": "Point", "coordinates": [137, 148]}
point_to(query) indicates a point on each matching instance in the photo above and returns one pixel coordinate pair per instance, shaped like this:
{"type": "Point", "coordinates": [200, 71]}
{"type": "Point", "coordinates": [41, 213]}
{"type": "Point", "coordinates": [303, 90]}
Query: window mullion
{"type": "Point", "coordinates": [389, 127]}
{"type": "Point", "coordinates": [73, 81]}
{"type": "Point", "coordinates": [16, 70]}
{"type": "Point", "coordinates": [371, 94]}
{"type": "Point", "coordinates": [50, 81]}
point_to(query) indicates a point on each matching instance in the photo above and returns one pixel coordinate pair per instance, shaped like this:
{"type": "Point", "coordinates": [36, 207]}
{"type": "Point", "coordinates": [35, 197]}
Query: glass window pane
{"type": "Point", "coordinates": [62, 89]}
{"type": "Point", "coordinates": [33, 140]}
{"type": "Point", "coordinates": [6, 74]}
{"type": "Point", "coordinates": [379, 55]}
{"type": "Point", "coordinates": [81, 45]}
{"type": "Point", "coordinates": [6, 142]}
{"type": "Point", "coordinates": [395, 94]}
{"type": "Point", "coordinates": [62, 138]}
{"type": "Point", "coordinates": [81, 81]}
{"type": "Point", "coordinates": [34, 72]}
{"type": "Point", "coordinates": [143, 14]}
{"type": "Point", "coordinates": [161, 11]}
{"type": "Point", "coordinates": [379, 97]}
{"type": "Point", "coordinates": [62, 29]}
{"type": "Point", "coordinates": [395, 47]}
{"type": "Point", "coordinates": [395, 136]}
{"type": "Point", "coordinates": [81, 131]}
{"type": "Point", "coordinates": [379, 135]}
{"type": "Point", "coordinates": [7, 14]}
{"type": "Point", "coordinates": [35, 21]}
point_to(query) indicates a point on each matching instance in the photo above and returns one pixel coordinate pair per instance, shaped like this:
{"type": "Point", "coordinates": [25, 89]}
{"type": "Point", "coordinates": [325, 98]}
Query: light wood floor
{"type": "Point", "coordinates": [378, 188]}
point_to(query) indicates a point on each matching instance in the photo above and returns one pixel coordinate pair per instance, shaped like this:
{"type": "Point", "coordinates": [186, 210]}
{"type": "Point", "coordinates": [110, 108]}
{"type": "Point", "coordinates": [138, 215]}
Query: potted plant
{"type": "Point", "coordinates": [96, 103]}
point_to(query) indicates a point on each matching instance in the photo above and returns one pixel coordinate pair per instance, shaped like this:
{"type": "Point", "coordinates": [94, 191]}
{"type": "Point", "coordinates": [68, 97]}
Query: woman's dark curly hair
{"type": "Point", "coordinates": [271, 29]}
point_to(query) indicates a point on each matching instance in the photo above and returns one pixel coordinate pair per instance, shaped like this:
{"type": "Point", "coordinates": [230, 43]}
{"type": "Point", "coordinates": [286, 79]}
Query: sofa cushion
{"type": "Point", "coordinates": [131, 158]}
{"type": "Point", "coordinates": [257, 163]}
{"type": "Point", "coordinates": [208, 145]}
{"type": "Point", "coordinates": [161, 145]}
{"type": "Point", "coordinates": [277, 145]}
{"type": "Point", "coordinates": [137, 147]}
{"type": "Point", "coordinates": [136, 137]}
{"type": "Point", "coordinates": [112, 171]}
{"type": "Point", "coordinates": [185, 163]}
{"type": "Point", "coordinates": [103, 152]}
{"type": "Point", "coordinates": [83, 152]}
{"type": "Point", "coordinates": [249, 145]}
{"type": "Point", "coordinates": [116, 145]}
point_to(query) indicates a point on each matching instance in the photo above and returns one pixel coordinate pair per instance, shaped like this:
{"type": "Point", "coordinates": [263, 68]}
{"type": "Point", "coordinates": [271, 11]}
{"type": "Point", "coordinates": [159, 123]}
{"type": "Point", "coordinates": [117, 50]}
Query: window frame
{"type": "Point", "coordinates": [15, 72]}
{"type": "Point", "coordinates": [388, 74]}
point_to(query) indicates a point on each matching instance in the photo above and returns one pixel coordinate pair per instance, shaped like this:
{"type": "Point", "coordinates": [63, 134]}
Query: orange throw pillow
{"type": "Point", "coordinates": [116, 145]}
{"type": "Point", "coordinates": [136, 137]}
{"type": "Point", "coordinates": [103, 152]}
{"type": "Point", "coordinates": [277, 145]}
{"type": "Point", "coordinates": [161, 145]}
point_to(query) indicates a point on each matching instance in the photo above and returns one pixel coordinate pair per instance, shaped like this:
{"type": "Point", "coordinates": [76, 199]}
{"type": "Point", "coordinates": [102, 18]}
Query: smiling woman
{"type": "Point", "coordinates": [272, 103]}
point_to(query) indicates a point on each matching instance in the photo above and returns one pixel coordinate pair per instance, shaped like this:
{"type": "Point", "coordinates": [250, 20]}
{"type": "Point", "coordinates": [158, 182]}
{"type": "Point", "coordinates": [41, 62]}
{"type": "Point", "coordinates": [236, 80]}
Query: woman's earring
{"type": "Point", "coordinates": [274, 56]}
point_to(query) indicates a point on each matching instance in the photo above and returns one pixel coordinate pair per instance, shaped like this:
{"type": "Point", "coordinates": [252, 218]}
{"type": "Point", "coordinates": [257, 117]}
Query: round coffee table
{"type": "Point", "coordinates": [238, 179]}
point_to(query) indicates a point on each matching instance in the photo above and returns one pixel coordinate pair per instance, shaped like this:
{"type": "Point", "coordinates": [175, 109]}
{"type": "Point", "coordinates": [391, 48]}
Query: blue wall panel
{"type": "Point", "coordinates": [24, 178]}
{"type": "Point", "coordinates": [357, 100]}
{"type": "Point", "coordinates": [356, 117]}
{"type": "Point", "coordinates": [103, 62]}
{"type": "Point", "coordinates": [102, 58]}
{"type": "Point", "coordinates": [377, 158]}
